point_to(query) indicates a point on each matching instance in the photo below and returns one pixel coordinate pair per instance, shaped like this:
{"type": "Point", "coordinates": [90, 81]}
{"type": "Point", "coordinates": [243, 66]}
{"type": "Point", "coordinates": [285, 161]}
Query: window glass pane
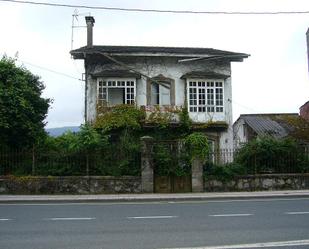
{"type": "Point", "coordinates": [154, 94]}
{"type": "Point", "coordinates": [218, 84]}
{"type": "Point", "coordinates": [164, 95]}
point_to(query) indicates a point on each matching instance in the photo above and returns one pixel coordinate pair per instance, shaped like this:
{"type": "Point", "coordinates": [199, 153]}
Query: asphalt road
{"type": "Point", "coordinates": [156, 225]}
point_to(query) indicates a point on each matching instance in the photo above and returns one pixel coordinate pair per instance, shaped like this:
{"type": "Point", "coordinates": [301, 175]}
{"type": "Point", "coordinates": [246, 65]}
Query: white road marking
{"type": "Point", "coordinates": [256, 245]}
{"type": "Point", "coordinates": [72, 218]}
{"type": "Point", "coordinates": [4, 219]}
{"type": "Point", "coordinates": [292, 213]}
{"type": "Point", "coordinates": [153, 217]}
{"type": "Point", "coordinates": [229, 215]}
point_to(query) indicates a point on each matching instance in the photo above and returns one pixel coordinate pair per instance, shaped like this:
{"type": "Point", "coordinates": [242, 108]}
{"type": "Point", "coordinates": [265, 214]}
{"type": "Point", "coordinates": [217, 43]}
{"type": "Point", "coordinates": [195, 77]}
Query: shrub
{"type": "Point", "coordinates": [269, 155]}
{"type": "Point", "coordinates": [224, 172]}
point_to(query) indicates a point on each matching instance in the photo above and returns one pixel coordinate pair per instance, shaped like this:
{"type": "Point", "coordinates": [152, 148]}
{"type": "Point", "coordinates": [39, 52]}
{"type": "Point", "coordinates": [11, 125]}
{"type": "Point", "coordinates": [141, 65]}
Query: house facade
{"type": "Point", "coordinates": [198, 79]}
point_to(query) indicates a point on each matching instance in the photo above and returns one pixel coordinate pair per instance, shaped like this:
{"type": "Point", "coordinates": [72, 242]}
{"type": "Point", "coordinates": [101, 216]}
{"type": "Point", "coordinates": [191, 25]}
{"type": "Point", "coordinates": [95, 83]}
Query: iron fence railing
{"type": "Point", "coordinates": [263, 163]}
{"type": "Point", "coordinates": [116, 161]}
{"type": "Point", "coordinates": [25, 162]}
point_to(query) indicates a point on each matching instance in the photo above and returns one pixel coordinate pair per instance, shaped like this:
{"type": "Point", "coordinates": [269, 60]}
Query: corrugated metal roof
{"type": "Point", "coordinates": [265, 126]}
{"type": "Point", "coordinates": [269, 124]}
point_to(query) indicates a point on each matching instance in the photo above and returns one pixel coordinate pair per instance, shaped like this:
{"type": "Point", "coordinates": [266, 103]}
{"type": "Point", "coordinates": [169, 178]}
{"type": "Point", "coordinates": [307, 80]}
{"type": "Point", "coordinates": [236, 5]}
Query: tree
{"type": "Point", "coordinates": [22, 109]}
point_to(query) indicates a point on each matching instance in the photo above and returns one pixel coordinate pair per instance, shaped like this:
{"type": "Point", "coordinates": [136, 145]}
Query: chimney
{"type": "Point", "coordinates": [89, 22]}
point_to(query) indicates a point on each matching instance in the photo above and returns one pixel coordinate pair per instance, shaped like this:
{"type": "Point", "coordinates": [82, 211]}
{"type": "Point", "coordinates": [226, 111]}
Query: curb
{"type": "Point", "coordinates": [152, 198]}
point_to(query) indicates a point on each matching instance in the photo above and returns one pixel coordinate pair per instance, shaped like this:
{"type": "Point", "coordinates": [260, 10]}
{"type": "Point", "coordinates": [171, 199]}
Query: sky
{"type": "Point", "coordinates": [274, 79]}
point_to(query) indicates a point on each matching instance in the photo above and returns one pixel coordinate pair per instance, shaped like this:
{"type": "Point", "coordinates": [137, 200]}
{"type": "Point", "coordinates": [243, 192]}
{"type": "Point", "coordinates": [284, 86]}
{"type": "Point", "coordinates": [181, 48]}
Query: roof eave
{"type": "Point", "coordinates": [82, 52]}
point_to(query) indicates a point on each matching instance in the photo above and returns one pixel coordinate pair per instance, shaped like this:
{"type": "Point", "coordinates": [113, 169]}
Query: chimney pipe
{"type": "Point", "coordinates": [89, 22]}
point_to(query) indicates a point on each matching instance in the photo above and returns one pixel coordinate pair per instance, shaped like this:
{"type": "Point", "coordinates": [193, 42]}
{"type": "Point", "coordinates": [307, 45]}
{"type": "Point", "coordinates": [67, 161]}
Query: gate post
{"type": "Point", "coordinates": [197, 176]}
{"type": "Point", "coordinates": [147, 165]}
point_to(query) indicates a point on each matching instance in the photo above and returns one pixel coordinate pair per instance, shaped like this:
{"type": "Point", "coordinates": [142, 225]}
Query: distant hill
{"type": "Point", "coordinates": [55, 132]}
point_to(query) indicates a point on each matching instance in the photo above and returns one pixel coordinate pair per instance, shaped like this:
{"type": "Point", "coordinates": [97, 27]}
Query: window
{"type": "Point", "coordinates": [114, 92]}
{"type": "Point", "coordinates": [160, 91]}
{"type": "Point", "coordinates": [205, 95]}
{"type": "Point", "coordinates": [160, 95]}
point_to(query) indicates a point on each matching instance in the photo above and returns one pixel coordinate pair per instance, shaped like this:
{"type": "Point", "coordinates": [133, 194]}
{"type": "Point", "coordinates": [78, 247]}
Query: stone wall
{"type": "Point", "coordinates": [70, 185]}
{"type": "Point", "coordinates": [259, 183]}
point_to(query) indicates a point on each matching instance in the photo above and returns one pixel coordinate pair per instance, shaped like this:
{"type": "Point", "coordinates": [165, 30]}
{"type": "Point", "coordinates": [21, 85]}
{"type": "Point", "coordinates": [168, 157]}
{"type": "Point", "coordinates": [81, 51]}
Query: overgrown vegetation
{"type": "Point", "coordinates": [268, 155]}
{"type": "Point", "coordinates": [223, 172]}
{"type": "Point", "coordinates": [197, 146]}
{"type": "Point", "coordinates": [261, 156]}
{"type": "Point", "coordinates": [112, 146]}
{"type": "Point", "coordinates": [119, 117]}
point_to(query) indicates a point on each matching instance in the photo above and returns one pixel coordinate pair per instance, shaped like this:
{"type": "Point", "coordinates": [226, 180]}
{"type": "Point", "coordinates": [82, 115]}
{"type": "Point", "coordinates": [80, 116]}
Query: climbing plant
{"type": "Point", "coordinates": [120, 117]}
{"type": "Point", "coordinates": [197, 145]}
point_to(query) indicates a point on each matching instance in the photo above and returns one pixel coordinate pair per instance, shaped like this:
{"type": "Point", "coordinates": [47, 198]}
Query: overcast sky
{"type": "Point", "coordinates": [274, 79]}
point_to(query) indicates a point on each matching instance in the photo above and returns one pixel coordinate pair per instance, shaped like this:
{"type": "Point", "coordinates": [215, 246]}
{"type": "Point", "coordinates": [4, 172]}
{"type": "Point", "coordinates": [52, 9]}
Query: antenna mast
{"type": "Point", "coordinates": [75, 19]}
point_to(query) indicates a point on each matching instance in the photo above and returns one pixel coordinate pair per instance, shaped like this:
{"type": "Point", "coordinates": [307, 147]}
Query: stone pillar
{"type": "Point", "coordinates": [197, 176]}
{"type": "Point", "coordinates": [146, 164]}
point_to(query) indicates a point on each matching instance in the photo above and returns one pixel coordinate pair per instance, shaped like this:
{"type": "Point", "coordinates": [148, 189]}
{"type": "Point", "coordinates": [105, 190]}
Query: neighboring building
{"type": "Point", "coordinates": [304, 111]}
{"type": "Point", "coordinates": [281, 125]}
{"type": "Point", "coordinates": [169, 77]}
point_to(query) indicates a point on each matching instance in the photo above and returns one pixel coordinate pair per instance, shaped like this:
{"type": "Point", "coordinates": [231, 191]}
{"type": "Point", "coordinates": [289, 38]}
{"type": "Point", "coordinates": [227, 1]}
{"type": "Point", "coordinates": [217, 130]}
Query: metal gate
{"type": "Point", "coordinates": [172, 170]}
{"type": "Point", "coordinates": [172, 184]}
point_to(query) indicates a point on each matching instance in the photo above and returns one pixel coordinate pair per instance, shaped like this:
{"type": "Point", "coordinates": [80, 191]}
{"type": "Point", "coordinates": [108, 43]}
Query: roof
{"type": "Point", "coordinates": [304, 104]}
{"type": "Point", "coordinates": [157, 51]}
{"type": "Point", "coordinates": [277, 125]}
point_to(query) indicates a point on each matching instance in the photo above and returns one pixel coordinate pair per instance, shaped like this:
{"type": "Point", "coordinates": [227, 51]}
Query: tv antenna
{"type": "Point", "coordinates": [75, 23]}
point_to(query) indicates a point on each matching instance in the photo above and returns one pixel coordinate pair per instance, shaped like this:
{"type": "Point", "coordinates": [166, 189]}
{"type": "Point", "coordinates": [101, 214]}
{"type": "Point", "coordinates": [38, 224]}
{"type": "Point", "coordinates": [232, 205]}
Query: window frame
{"type": "Point", "coordinates": [170, 83]}
{"type": "Point", "coordinates": [128, 84]}
{"type": "Point", "coordinates": [205, 95]}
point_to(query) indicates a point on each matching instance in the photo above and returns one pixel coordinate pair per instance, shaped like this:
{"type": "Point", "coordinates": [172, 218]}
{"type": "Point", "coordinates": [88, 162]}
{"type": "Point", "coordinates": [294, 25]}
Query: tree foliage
{"type": "Point", "coordinates": [22, 109]}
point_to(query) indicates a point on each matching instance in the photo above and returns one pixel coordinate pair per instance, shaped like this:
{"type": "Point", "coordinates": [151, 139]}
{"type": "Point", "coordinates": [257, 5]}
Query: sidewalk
{"type": "Point", "coordinates": [154, 197]}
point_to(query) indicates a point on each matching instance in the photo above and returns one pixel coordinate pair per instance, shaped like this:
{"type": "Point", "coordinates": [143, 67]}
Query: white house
{"type": "Point", "coordinates": [196, 78]}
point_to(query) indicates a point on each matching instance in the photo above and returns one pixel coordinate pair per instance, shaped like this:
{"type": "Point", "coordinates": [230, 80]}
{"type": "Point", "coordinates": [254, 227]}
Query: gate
{"type": "Point", "coordinates": [172, 167]}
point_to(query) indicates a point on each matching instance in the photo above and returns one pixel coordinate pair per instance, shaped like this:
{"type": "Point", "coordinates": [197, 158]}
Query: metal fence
{"type": "Point", "coordinates": [116, 162]}
{"type": "Point", "coordinates": [263, 162]}
{"type": "Point", "coordinates": [29, 162]}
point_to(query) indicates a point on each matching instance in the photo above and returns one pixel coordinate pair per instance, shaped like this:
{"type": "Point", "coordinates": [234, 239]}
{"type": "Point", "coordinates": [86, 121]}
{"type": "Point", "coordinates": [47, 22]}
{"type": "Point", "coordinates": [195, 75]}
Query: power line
{"type": "Point", "coordinates": [161, 11]}
{"type": "Point", "coordinates": [50, 70]}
